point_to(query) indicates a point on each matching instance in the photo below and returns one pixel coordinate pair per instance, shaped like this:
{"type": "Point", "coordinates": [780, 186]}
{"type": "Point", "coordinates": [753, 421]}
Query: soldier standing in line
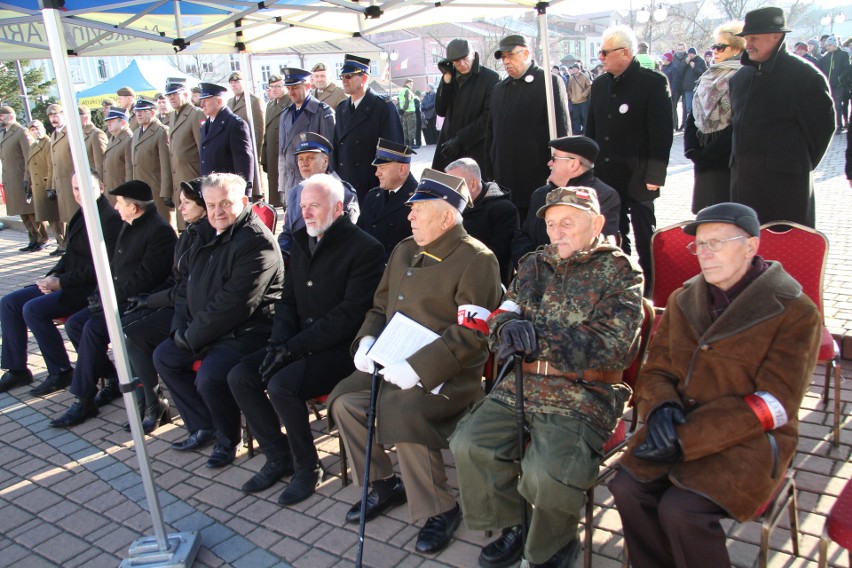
{"type": "Point", "coordinates": [118, 158]}
{"type": "Point", "coordinates": [184, 137]}
{"type": "Point", "coordinates": [151, 160]}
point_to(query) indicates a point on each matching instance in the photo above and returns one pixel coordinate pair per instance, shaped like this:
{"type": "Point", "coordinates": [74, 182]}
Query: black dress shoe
{"type": "Point", "coordinates": [438, 531]}
{"type": "Point", "coordinates": [270, 474]}
{"type": "Point", "coordinates": [383, 495]}
{"type": "Point", "coordinates": [109, 393]}
{"type": "Point", "coordinates": [12, 379]}
{"type": "Point", "coordinates": [153, 419]}
{"type": "Point", "coordinates": [505, 551]}
{"type": "Point", "coordinates": [221, 456]}
{"type": "Point", "coordinates": [564, 557]}
{"type": "Point", "coordinates": [79, 412]}
{"type": "Point", "coordinates": [27, 248]}
{"type": "Point", "coordinates": [57, 252]}
{"type": "Point", "coordinates": [54, 382]}
{"type": "Point", "coordinates": [303, 485]}
{"type": "Point", "coordinates": [195, 441]}
{"type": "Point", "coordinates": [38, 247]}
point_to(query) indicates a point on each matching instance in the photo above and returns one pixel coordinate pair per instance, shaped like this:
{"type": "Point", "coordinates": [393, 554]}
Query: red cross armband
{"type": "Point", "coordinates": [473, 317]}
{"type": "Point", "coordinates": [768, 410]}
{"type": "Point", "coordinates": [506, 306]}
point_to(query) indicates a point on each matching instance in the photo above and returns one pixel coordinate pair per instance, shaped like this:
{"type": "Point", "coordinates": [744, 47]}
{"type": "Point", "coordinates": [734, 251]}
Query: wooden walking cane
{"type": "Point", "coordinates": [521, 420]}
{"type": "Point", "coordinates": [365, 481]}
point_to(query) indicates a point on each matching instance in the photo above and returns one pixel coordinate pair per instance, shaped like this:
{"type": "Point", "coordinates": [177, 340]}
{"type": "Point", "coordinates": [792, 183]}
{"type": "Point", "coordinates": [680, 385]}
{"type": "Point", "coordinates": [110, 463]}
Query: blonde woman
{"type": "Point", "coordinates": [707, 134]}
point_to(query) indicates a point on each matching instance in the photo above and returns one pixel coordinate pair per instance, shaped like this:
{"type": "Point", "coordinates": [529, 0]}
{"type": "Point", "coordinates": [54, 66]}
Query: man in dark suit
{"type": "Point", "coordinates": [384, 213]}
{"type": "Point", "coordinates": [233, 282]}
{"type": "Point", "coordinates": [333, 273]}
{"type": "Point", "coordinates": [225, 138]}
{"type": "Point", "coordinates": [361, 121]}
{"type": "Point", "coordinates": [630, 117]}
{"type": "Point", "coordinates": [62, 292]}
{"type": "Point", "coordinates": [141, 262]}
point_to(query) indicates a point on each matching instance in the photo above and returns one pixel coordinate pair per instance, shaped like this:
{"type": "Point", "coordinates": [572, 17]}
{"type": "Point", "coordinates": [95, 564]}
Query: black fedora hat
{"type": "Point", "coordinates": [765, 21]}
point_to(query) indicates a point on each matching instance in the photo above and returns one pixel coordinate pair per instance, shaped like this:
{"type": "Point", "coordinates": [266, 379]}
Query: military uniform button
{"type": "Point", "coordinates": [309, 283]}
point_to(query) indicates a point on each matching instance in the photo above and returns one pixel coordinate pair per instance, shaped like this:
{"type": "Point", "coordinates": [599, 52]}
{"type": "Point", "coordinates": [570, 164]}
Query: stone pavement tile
{"type": "Point", "coordinates": [94, 558]}
{"type": "Point", "coordinates": [256, 559]}
{"type": "Point", "coordinates": [240, 526]}
{"type": "Point", "coordinates": [457, 554]}
{"type": "Point", "coordinates": [219, 496]}
{"type": "Point", "coordinates": [33, 533]}
{"type": "Point", "coordinates": [26, 465]}
{"type": "Point", "coordinates": [206, 557]}
{"type": "Point", "coordinates": [257, 510]}
{"type": "Point", "coordinates": [62, 548]}
{"type": "Point", "coordinates": [193, 522]}
{"type": "Point", "coordinates": [122, 510]}
{"type": "Point", "coordinates": [183, 490]}
{"type": "Point", "coordinates": [335, 514]}
{"type": "Point", "coordinates": [288, 548]}
{"type": "Point", "coordinates": [82, 522]}
{"type": "Point", "coordinates": [13, 554]}
{"type": "Point", "coordinates": [378, 554]}
{"type": "Point", "coordinates": [12, 517]}
{"type": "Point", "coordinates": [141, 521]}
{"type": "Point", "coordinates": [175, 511]}
{"type": "Point", "coordinates": [89, 493]}
{"type": "Point", "coordinates": [38, 500]}
{"type": "Point", "coordinates": [8, 454]}
{"type": "Point", "coordinates": [220, 515]}
{"type": "Point", "coordinates": [261, 537]}
{"type": "Point", "coordinates": [291, 523]}
{"type": "Point", "coordinates": [214, 534]}
{"type": "Point", "coordinates": [34, 561]}
{"type": "Point", "coordinates": [232, 548]}
{"type": "Point", "coordinates": [402, 538]}
{"type": "Point", "coordinates": [314, 558]}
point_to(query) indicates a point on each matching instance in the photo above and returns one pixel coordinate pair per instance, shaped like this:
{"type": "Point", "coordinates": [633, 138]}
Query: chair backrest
{"type": "Point", "coordinates": [802, 251]}
{"type": "Point", "coordinates": [671, 262]}
{"type": "Point", "coordinates": [267, 214]}
{"type": "Point", "coordinates": [631, 373]}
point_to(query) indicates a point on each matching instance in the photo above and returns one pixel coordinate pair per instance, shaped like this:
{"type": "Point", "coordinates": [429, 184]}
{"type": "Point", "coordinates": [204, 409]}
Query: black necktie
{"type": "Point", "coordinates": [351, 107]}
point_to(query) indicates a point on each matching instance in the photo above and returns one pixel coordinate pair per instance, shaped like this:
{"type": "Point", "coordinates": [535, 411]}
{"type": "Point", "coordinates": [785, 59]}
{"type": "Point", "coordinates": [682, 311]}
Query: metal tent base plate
{"type": "Point", "coordinates": [183, 547]}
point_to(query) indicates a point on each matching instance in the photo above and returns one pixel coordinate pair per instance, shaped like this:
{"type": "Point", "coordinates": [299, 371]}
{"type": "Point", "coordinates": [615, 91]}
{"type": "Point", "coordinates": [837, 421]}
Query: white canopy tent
{"type": "Point", "coordinates": [31, 29]}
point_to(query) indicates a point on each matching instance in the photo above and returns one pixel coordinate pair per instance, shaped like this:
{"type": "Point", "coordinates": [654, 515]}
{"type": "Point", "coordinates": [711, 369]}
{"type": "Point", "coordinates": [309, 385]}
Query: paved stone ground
{"type": "Point", "coordinates": [74, 498]}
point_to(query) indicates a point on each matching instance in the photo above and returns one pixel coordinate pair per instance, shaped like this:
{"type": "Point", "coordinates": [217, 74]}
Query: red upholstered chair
{"type": "Point", "coordinates": [267, 214]}
{"type": "Point", "coordinates": [671, 262]}
{"type": "Point", "coordinates": [838, 526]}
{"type": "Point", "coordinates": [621, 434]}
{"type": "Point", "coordinates": [804, 252]}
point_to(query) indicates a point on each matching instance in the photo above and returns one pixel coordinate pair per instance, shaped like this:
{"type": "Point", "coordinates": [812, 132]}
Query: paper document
{"type": "Point", "coordinates": [401, 338]}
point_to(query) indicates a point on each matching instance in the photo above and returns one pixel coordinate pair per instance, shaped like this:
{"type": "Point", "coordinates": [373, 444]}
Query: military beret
{"type": "Point", "coordinates": [355, 64]}
{"type": "Point", "coordinates": [134, 189]}
{"type": "Point", "coordinates": [509, 43]}
{"type": "Point", "coordinates": [389, 151]}
{"type": "Point", "coordinates": [737, 214]}
{"type": "Point", "coordinates": [7, 110]}
{"type": "Point", "coordinates": [125, 92]}
{"type": "Point", "coordinates": [55, 108]}
{"type": "Point", "coordinates": [584, 198]}
{"type": "Point", "coordinates": [116, 113]}
{"type": "Point", "coordinates": [318, 67]}
{"type": "Point", "coordinates": [313, 142]}
{"type": "Point", "coordinates": [211, 90]}
{"type": "Point", "coordinates": [107, 102]}
{"type": "Point", "coordinates": [275, 78]}
{"type": "Point", "coordinates": [35, 122]}
{"type": "Point", "coordinates": [438, 185]}
{"type": "Point", "coordinates": [294, 76]}
{"type": "Point", "coordinates": [235, 76]}
{"type": "Point", "coordinates": [457, 49]}
{"type": "Point", "coordinates": [144, 104]}
{"type": "Point", "coordinates": [84, 111]}
{"type": "Point", "coordinates": [580, 145]}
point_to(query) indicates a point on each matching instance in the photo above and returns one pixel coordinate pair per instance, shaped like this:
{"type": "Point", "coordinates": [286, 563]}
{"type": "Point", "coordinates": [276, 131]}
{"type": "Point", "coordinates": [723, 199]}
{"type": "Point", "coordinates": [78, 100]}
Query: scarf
{"type": "Point", "coordinates": [711, 106]}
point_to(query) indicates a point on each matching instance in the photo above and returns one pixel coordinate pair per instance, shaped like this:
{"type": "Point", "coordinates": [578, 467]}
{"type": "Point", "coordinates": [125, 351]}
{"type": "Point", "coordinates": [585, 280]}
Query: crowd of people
{"type": "Point", "coordinates": [513, 243]}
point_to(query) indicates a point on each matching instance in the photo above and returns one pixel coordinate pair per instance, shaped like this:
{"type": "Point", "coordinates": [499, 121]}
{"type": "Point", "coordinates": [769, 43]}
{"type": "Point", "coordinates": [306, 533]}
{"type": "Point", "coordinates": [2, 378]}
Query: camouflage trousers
{"type": "Point", "coordinates": [409, 128]}
{"type": "Point", "coordinates": [561, 461]}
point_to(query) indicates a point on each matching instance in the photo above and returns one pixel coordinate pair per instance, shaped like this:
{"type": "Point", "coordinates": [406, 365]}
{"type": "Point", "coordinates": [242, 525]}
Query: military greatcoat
{"type": "Point", "coordinates": [152, 164]}
{"type": "Point", "coordinates": [269, 149]}
{"type": "Point", "coordinates": [40, 176]}
{"type": "Point", "coordinates": [184, 148]}
{"type": "Point", "coordinates": [118, 161]}
{"type": "Point", "coordinates": [14, 149]}
{"type": "Point", "coordinates": [63, 169]}
{"type": "Point", "coordinates": [96, 142]}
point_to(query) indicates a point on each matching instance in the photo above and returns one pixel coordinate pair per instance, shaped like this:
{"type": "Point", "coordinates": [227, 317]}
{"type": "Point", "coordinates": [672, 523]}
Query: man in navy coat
{"type": "Point", "coordinates": [384, 214]}
{"type": "Point", "coordinates": [361, 121]}
{"type": "Point", "coordinates": [225, 138]}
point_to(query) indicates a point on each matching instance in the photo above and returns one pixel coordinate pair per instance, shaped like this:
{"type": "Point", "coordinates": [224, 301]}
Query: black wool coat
{"type": "Point", "coordinates": [328, 292]}
{"type": "Point", "coordinates": [783, 118]}
{"type": "Point", "coordinates": [385, 215]}
{"type": "Point", "coordinates": [630, 117]}
{"type": "Point", "coordinates": [356, 136]}
{"type": "Point", "coordinates": [465, 105]}
{"type": "Point", "coordinates": [76, 268]}
{"type": "Point", "coordinates": [493, 220]}
{"type": "Point", "coordinates": [226, 147]}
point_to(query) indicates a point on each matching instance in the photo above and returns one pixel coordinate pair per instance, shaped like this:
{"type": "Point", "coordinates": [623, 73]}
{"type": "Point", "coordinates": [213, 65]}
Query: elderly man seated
{"type": "Point", "coordinates": [232, 284]}
{"type": "Point", "coordinates": [574, 310]}
{"type": "Point", "coordinates": [447, 282]}
{"type": "Point", "coordinates": [719, 394]}
{"type": "Point", "coordinates": [334, 270]}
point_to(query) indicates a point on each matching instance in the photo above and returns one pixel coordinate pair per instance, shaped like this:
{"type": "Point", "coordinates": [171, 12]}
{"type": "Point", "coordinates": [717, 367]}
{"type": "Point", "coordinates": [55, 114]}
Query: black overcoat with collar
{"type": "Point", "coordinates": [356, 136]}
{"type": "Point", "coordinates": [384, 215]}
{"type": "Point", "coordinates": [226, 146]}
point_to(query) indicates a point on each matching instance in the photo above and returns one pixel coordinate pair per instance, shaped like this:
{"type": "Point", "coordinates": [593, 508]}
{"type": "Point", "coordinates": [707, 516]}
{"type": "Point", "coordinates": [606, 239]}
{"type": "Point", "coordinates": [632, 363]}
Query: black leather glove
{"type": "Point", "coordinates": [451, 148]}
{"type": "Point", "coordinates": [179, 337]}
{"type": "Point", "coordinates": [95, 305]}
{"type": "Point", "coordinates": [277, 357]}
{"type": "Point", "coordinates": [446, 66]}
{"type": "Point", "coordinates": [249, 187]}
{"type": "Point", "coordinates": [661, 443]}
{"type": "Point", "coordinates": [135, 303]}
{"type": "Point", "coordinates": [51, 195]}
{"type": "Point", "coordinates": [517, 336]}
{"type": "Point", "coordinates": [28, 195]}
{"type": "Point", "coordinates": [167, 201]}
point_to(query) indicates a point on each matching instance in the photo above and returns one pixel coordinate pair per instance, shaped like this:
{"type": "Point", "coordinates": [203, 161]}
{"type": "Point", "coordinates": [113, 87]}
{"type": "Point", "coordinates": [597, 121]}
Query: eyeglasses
{"type": "Point", "coordinates": [713, 245]}
{"type": "Point", "coordinates": [511, 54]}
{"type": "Point", "coordinates": [605, 52]}
{"type": "Point", "coordinates": [720, 46]}
{"type": "Point", "coordinates": [554, 157]}
{"type": "Point", "coordinates": [347, 76]}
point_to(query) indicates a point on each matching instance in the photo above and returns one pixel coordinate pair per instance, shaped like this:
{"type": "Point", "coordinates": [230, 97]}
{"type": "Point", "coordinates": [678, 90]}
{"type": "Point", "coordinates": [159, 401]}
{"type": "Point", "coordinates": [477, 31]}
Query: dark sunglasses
{"type": "Point", "coordinates": [720, 46]}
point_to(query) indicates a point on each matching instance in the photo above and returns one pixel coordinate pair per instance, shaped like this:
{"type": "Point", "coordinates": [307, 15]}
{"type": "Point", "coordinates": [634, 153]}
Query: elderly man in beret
{"type": "Point", "coordinates": [573, 311]}
{"type": "Point", "coordinates": [61, 293]}
{"type": "Point", "coordinates": [140, 263]}
{"type": "Point", "coordinates": [278, 100]}
{"type": "Point", "coordinates": [232, 283]}
{"type": "Point", "coordinates": [719, 395]}
{"type": "Point", "coordinates": [226, 145]}
{"type": "Point", "coordinates": [323, 89]}
{"type": "Point", "coordinates": [447, 282]}
{"type": "Point", "coordinates": [313, 154]}
{"type": "Point", "coordinates": [572, 164]}
{"type": "Point", "coordinates": [464, 100]}
{"type": "Point", "coordinates": [783, 120]}
{"type": "Point", "coordinates": [305, 114]}
{"type": "Point", "coordinates": [384, 213]}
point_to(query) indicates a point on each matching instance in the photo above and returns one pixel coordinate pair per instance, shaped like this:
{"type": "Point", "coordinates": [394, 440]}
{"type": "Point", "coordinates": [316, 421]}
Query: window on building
{"type": "Point", "coordinates": [265, 73]}
{"type": "Point", "coordinates": [103, 70]}
{"type": "Point", "coordinates": [207, 67]}
{"type": "Point", "coordinates": [75, 72]}
{"type": "Point", "coordinates": [234, 62]}
{"type": "Point", "coordinates": [192, 69]}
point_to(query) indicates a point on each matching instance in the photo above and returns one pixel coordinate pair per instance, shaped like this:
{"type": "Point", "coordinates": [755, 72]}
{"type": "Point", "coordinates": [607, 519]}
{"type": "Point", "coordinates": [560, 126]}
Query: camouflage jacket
{"type": "Point", "coordinates": [587, 312]}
